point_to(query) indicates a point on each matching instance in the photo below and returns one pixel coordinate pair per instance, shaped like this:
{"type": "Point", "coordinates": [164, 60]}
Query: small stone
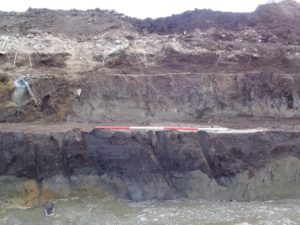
{"type": "Point", "coordinates": [78, 92]}
{"type": "Point", "coordinates": [255, 56]}
{"type": "Point", "coordinates": [49, 208]}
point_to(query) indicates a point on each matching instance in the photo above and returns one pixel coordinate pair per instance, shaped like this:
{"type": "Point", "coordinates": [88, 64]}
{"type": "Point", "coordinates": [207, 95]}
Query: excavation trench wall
{"type": "Point", "coordinates": [156, 98]}
{"type": "Point", "coordinates": [151, 165]}
{"type": "Point", "coordinates": [188, 97]}
{"type": "Point", "coordinates": [101, 67]}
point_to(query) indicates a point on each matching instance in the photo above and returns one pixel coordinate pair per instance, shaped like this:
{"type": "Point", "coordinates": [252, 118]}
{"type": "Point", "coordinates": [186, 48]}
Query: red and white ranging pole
{"type": "Point", "coordinates": [147, 128]}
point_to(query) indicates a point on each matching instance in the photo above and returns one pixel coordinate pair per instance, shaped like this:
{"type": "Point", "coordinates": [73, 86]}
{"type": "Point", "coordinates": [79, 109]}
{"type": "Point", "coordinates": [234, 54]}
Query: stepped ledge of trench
{"type": "Point", "coordinates": [201, 68]}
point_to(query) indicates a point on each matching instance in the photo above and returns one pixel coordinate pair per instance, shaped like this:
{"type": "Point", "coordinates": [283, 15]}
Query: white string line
{"type": "Point", "coordinates": [186, 73]}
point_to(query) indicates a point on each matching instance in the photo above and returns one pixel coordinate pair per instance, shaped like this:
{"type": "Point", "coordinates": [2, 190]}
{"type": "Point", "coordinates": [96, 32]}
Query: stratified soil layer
{"type": "Point", "coordinates": [199, 64]}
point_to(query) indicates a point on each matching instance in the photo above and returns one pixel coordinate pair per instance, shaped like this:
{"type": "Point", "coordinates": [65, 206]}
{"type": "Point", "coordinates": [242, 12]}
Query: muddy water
{"type": "Point", "coordinates": [109, 211]}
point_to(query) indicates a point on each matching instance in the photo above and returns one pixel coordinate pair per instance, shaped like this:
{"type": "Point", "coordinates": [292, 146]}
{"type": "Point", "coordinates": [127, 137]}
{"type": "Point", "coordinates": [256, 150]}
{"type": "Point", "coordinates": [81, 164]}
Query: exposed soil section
{"type": "Point", "coordinates": [220, 65]}
{"type": "Point", "coordinates": [63, 72]}
{"type": "Point", "coordinates": [141, 99]}
{"type": "Point", "coordinates": [145, 164]}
